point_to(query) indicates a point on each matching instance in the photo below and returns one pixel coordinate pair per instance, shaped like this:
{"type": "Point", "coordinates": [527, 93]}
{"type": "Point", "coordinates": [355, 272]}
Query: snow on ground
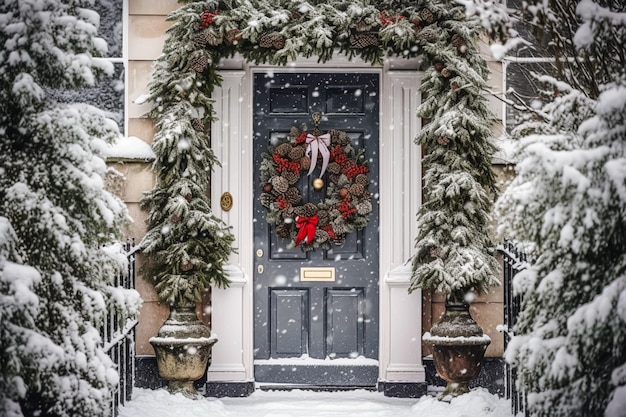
{"type": "Point", "coordinates": [360, 403]}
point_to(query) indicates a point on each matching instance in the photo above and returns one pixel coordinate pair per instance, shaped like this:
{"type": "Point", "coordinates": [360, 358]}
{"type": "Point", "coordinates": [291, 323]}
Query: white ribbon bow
{"type": "Point", "coordinates": [315, 144]}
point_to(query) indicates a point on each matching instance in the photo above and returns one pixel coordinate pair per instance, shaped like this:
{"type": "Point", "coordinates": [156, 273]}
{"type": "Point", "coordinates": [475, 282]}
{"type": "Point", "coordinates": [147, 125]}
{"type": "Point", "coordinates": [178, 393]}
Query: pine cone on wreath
{"type": "Point", "coordinates": [198, 61]}
{"type": "Point", "coordinates": [362, 179]}
{"type": "Point", "coordinates": [290, 177]}
{"type": "Point", "coordinates": [357, 190]}
{"type": "Point", "coordinates": [309, 209]}
{"type": "Point", "coordinates": [334, 168]}
{"type": "Point", "coordinates": [334, 177]}
{"type": "Point", "coordinates": [342, 138]}
{"type": "Point", "coordinates": [282, 231]}
{"type": "Point", "coordinates": [305, 163]}
{"type": "Point", "coordinates": [280, 184]}
{"type": "Point", "coordinates": [340, 228]}
{"type": "Point", "coordinates": [282, 149]}
{"type": "Point", "coordinates": [293, 196]}
{"type": "Point", "coordinates": [363, 40]}
{"type": "Point", "coordinates": [266, 200]}
{"type": "Point", "coordinates": [296, 152]}
{"type": "Point", "coordinates": [321, 235]}
{"type": "Point", "coordinates": [197, 125]}
{"type": "Point", "coordinates": [323, 218]}
{"type": "Point", "coordinates": [364, 208]}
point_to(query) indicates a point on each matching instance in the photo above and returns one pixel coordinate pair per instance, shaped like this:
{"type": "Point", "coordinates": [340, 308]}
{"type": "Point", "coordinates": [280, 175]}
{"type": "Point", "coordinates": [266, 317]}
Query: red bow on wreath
{"type": "Point", "coordinates": [307, 227]}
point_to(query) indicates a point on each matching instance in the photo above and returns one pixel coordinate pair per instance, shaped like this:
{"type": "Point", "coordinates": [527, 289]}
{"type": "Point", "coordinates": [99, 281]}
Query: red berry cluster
{"type": "Point", "coordinates": [329, 229]}
{"type": "Point", "coordinates": [206, 19]}
{"type": "Point", "coordinates": [345, 209]}
{"type": "Point", "coordinates": [301, 139]}
{"type": "Point", "coordinates": [384, 20]}
{"type": "Point", "coordinates": [285, 165]}
{"type": "Point", "coordinates": [338, 155]}
{"type": "Point", "coordinates": [282, 203]}
{"type": "Point", "coordinates": [352, 170]}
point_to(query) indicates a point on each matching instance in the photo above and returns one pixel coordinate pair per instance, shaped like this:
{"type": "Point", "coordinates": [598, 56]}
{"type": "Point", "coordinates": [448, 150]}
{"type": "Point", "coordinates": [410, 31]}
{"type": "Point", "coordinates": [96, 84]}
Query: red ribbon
{"type": "Point", "coordinates": [307, 227]}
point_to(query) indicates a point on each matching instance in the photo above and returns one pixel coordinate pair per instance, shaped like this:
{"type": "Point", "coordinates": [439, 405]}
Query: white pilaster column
{"type": "Point", "coordinates": [400, 197]}
{"type": "Point", "coordinates": [232, 307]}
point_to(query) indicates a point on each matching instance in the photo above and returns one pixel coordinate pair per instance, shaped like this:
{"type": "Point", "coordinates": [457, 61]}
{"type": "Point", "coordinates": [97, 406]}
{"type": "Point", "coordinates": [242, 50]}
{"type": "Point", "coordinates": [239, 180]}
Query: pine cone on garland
{"type": "Point", "coordinates": [233, 36]}
{"type": "Point", "coordinates": [272, 40]}
{"type": "Point", "coordinates": [361, 26]}
{"type": "Point", "coordinates": [363, 40]}
{"type": "Point", "coordinates": [197, 125]}
{"type": "Point", "coordinates": [207, 37]}
{"type": "Point", "coordinates": [446, 73]}
{"type": "Point", "coordinates": [428, 35]}
{"type": "Point", "coordinates": [198, 61]}
{"type": "Point", "coordinates": [456, 40]}
{"type": "Point", "coordinates": [427, 16]}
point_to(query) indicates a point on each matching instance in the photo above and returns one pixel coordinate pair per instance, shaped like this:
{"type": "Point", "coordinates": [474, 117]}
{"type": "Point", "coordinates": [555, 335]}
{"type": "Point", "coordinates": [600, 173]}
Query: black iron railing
{"type": "Point", "coordinates": [119, 337]}
{"type": "Point", "coordinates": [515, 260]}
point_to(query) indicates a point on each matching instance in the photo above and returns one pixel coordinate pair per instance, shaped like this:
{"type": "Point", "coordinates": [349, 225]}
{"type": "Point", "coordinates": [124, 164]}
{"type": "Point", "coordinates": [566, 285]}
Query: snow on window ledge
{"type": "Point", "coordinates": [130, 148]}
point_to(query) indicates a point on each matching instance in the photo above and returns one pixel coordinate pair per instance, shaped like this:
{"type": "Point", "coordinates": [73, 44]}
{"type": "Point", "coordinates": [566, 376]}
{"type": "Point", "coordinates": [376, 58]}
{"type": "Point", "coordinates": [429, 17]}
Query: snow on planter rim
{"type": "Point", "coordinates": [443, 340]}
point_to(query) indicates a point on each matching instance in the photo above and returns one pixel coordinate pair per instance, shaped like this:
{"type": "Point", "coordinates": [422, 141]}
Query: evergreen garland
{"type": "Point", "coordinates": [453, 249]}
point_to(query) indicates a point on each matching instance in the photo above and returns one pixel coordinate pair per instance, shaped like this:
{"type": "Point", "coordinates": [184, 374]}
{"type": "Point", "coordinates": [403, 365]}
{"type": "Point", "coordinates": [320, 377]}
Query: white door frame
{"type": "Point", "coordinates": [400, 321]}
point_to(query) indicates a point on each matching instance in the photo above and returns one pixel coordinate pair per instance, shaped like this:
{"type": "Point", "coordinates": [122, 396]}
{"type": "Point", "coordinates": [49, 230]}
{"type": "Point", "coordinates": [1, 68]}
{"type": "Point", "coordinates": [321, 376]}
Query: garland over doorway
{"type": "Point", "coordinates": [453, 249]}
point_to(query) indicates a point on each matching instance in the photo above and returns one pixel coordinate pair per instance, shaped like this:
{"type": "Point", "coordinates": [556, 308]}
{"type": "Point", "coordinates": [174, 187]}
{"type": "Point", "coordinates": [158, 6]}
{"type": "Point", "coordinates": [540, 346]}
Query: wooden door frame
{"type": "Point", "coordinates": [400, 349]}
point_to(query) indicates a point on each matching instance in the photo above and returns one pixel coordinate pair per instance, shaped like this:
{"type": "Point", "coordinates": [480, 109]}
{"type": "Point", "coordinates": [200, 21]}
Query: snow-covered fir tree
{"type": "Point", "coordinates": [57, 222]}
{"type": "Point", "coordinates": [568, 202]}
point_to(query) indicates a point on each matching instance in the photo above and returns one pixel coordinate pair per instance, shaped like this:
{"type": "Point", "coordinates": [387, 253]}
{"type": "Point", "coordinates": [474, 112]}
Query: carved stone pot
{"type": "Point", "coordinates": [183, 349]}
{"type": "Point", "coordinates": [458, 345]}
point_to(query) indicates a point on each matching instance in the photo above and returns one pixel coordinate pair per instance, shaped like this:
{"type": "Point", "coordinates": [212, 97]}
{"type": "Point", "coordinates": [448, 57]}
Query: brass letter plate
{"type": "Point", "coordinates": [317, 274]}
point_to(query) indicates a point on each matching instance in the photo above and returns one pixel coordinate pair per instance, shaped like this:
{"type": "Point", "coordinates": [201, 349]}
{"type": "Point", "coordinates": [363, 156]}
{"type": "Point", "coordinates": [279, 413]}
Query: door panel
{"type": "Point", "coordinates": [305, 323]}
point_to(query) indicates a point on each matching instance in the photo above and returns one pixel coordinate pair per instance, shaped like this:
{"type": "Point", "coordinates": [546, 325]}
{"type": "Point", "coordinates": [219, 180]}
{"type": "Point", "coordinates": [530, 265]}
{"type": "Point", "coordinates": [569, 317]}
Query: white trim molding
{"type": "Point", "coordinates": [400, 356]}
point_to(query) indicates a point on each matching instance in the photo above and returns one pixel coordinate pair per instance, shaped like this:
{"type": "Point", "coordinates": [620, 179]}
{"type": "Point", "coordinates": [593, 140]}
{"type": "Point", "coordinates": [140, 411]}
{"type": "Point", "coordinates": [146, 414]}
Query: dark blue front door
{"type": "Point", "coordinates": [316, 332]}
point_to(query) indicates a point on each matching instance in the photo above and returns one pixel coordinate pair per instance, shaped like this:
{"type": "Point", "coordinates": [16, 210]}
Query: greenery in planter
{"type": "Point", "coordinates": [453, 248]}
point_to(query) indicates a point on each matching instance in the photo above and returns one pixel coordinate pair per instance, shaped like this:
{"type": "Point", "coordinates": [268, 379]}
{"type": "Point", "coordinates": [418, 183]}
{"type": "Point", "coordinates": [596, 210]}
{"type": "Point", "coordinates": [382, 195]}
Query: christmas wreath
{"type": "Point", "coordinates": [347, 204]}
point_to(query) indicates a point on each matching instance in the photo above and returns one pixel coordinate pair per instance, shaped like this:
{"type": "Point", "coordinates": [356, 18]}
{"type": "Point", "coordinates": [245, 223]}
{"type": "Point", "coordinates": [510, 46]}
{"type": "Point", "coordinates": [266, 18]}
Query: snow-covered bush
{"type": "Point", "coordinates": [56, 275]}
{"type": "Point", "coordinates": [569, 202]}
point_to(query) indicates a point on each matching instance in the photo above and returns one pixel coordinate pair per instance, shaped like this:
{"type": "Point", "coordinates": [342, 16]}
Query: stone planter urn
{"type": "Point", "coordinates": [458, 345]}
{"type": "Point", "coordinates": [183, 349]}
